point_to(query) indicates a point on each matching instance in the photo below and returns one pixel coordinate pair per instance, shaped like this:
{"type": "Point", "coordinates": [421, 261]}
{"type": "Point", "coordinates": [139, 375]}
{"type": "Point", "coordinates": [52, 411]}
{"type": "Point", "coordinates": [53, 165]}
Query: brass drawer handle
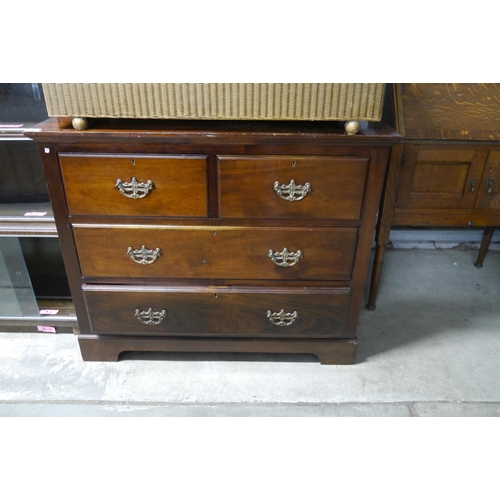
{"type": "Point", "coordinates": [282, 318]}
{"type": "Point", "coordinates": [285, 258]}
{"type": "Point", "coordinates": [134, 189]}
{"type": "Point", "coordinates": [292, 192]}
{"type": "Point", "coordinates": [150, 317]}
{"type": "Point", "coordinates": [489, 184]}
{"type": "Point", "coordinates": [143, 255]}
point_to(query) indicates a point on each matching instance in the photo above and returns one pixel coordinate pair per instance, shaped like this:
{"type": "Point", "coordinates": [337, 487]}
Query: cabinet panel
{"type": "Point", "coordinates": [216, 252]}
{"type": "Point", "coordinates": [247, 186]}
{"type": "Point", "coordinates": [439, 178]}
{"type": "Point", "coordinates": [217, 311]}
{"type": "Point", "coordinates": [489, 187]}
{"type": "Point", "coordinates": [161, 189]}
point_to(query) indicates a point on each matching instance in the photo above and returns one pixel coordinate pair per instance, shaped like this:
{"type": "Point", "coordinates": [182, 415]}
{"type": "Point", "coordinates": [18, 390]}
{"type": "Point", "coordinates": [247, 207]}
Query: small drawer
{"type": "Point", "coordinates": [216, 311]}
{"type": "Point", "coordinates": [269, 253]}
{"type": "Point", "coordinates": [292, 187]}
{"type": "Point", "coordinates": [168, 186]}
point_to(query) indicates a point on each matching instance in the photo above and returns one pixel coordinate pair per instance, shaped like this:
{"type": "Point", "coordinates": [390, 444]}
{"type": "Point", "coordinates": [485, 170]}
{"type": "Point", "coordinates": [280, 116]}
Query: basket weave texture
{"type": "Point", "coordinates": [217, 101]}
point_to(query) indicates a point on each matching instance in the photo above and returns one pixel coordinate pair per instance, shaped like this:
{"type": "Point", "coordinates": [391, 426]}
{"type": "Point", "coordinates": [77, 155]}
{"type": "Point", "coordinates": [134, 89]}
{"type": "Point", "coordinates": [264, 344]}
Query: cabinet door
{"type": "Point", "coordinates": [440, 178]}
{"type": "Point", "coordinates": [489, 187]}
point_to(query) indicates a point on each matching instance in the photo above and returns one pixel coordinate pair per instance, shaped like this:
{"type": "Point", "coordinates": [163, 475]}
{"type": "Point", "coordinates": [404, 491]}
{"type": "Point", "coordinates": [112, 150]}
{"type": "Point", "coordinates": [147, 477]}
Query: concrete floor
{"type": "Point", "coordinates": [431, 348]}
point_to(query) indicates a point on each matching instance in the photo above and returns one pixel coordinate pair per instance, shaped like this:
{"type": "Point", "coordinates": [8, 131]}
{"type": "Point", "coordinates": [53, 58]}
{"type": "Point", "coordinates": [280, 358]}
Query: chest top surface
{"type": "Point", "coordinates": [214, 132]}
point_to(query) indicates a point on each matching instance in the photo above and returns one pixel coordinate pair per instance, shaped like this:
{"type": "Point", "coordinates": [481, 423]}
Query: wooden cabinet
{"type": "Point", "coordinates": [439, 179]}
{"type": "Point", "coordinates": [445, 171]}
{"type": "Point", "coordinates": [216, 236]}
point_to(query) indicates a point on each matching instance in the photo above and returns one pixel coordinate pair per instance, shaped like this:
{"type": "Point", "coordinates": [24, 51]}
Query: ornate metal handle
{"type": "Point", "coordinates": [285, 258]}
{"type": "Point", "coordinates": [292, 192]}
{"type": "Point", "coordinates": [150, 317]}
{"type": "Point", "coordinates": [489, 183]}
{"type": "Point", "coordinates": [143, 255]}
{"type": "Point", "coordinates": [282, 318]}
{"type": "Point", "coordinates": [134, 189]}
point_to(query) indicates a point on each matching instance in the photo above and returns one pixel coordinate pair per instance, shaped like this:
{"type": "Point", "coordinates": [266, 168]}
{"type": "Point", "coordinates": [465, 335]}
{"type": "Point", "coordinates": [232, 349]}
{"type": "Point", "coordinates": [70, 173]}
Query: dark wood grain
{"type": "Point", "coordinates": [329, 351]}
{"type": "Point", "coordinates": [180, 185]}
{"type": "Point", "coordinates": [50, 163]}
{"type": "Point", "coordinates": [217, 133]}
{"type": "Point", "coordinates": [203, 251]}
{"type": "Point", "coordinates": [337, 186]}
{"type": "Point", "coordinates": [218, 311]}
{"type": "Point", "coordinates": [223, 252]}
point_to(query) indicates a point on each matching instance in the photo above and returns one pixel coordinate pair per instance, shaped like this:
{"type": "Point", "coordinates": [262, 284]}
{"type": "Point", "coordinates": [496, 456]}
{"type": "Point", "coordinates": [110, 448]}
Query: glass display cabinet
{"type": "Point", "coordinates": [32, 275]}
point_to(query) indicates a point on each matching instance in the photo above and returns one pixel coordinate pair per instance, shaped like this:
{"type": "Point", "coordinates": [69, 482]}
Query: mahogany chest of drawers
{"type": "Point", "coordinates": [216, 236]}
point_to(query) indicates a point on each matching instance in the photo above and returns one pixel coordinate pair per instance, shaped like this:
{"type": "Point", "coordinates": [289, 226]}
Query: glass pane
{"type": "Point", "coordinates": [16, 293]}
{"type": "Point", "coordinates": [22, 103]}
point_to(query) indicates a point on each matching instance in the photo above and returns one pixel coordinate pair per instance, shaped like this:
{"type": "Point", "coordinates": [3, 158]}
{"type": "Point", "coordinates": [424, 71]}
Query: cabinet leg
{"type": "Point", "coordinates": [378, 261]}
{"type": "Point", "coordinates": [485, 243]}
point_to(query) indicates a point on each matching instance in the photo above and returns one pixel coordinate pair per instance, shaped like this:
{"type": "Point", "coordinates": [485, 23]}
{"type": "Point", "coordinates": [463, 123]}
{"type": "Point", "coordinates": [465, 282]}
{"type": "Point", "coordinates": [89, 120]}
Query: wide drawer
{"type": "Point", "coordinates": [167, 186]}
{"type": "Point", "coordinates": [215, 252]}
{"type": "Point", "coordinates": [217, 311]}
{"type": "Point", "coordinates": [292, 187]}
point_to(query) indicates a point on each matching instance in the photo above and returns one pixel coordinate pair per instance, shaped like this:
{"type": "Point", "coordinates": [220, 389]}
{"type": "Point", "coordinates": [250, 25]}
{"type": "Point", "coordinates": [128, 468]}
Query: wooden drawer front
{"type": "Point", "coordinates": [337, 186]}
{"type": "Point", "coordinates": [195, 311]}
{"type": "Point", "coordinates": [180, 185]}
{"type": "Point", "coordinates": [215, 252]}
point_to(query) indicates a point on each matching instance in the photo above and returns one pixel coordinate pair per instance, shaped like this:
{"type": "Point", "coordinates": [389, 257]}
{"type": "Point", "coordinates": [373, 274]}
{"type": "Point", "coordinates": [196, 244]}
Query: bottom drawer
{"type": "Point", "coordinates": [221, 311]}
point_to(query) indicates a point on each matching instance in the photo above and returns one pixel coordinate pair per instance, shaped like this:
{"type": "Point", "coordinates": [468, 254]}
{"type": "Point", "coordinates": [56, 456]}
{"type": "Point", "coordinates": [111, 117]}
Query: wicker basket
{"type": "Point", "coordinates": [214, 101]}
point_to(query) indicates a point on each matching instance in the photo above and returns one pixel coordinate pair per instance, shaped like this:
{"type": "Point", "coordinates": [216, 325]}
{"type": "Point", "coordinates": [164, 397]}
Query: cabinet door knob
{"type": "Point", "coordinates": [489, 183]}
{"type": "Point", "coordinates": [285, 258]}
{"type": "Point", "coordinates": [292, 192]}
{"type": "Point", "coordinates": [134, 189]}
{"type": "Point", "coordinates": [143, 255]}
{"type": "Point", "coordinates": [282, 318]}
{"type": "Point", "coordinates": [150, 317]}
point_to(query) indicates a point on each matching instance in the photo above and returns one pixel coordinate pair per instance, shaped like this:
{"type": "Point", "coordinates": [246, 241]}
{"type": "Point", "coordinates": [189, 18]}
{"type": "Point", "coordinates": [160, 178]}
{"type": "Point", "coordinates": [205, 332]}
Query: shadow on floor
{"type": "Point", "coordinates": [400, 323]}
